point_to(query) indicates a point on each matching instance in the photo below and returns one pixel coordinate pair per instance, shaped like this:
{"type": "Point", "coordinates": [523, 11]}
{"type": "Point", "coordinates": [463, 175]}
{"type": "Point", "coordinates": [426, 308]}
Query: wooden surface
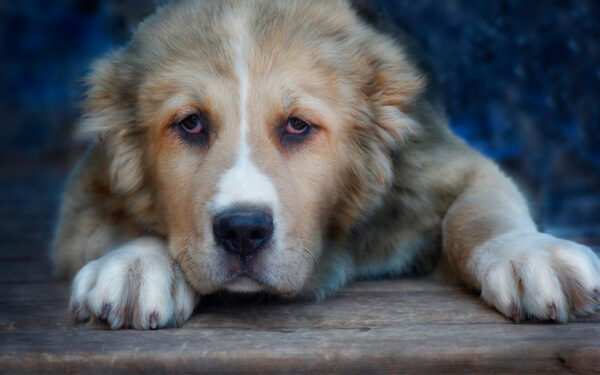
{"type": "Point", "coordinates": [409, 325]}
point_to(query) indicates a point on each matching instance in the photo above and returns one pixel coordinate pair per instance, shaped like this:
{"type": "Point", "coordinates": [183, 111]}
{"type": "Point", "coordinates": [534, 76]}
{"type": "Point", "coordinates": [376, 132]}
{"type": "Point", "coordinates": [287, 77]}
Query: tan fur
{"type": "Point", "coordinates": [379, 190]}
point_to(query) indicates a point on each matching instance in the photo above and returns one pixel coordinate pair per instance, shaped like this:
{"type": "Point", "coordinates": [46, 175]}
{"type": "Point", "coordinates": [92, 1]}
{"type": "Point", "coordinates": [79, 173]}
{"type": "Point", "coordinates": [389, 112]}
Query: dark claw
{"type": "Point", "coordinates": [75, 308]}
{"type": "Point", "coordinates": [552, 311]}
{"type": "Point", "coordinates": [79, 312]}
{"type": "Point", "coordinates": [514, 312]}
{"type": "Point", "coordinates": [106, 308]}
{"type": "Point", "coordinates": [179, 318]}
{"type": "Point", "coordinates": [153, 320]}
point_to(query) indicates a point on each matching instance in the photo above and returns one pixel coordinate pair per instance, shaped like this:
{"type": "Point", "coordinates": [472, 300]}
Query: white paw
{"type": "Point", "coordinates": [134, 286]}
{"type": "Point", "coordinates": [535, 275]}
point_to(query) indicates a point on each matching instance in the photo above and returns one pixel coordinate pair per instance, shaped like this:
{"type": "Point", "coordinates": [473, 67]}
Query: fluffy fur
{"type": "Point", "coordinates": [381, 188]}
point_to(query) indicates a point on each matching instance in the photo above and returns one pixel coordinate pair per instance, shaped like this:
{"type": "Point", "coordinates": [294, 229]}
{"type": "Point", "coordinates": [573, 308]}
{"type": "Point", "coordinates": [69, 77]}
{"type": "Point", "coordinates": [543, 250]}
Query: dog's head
{"type": "Point", "coordinates": [249, 133]}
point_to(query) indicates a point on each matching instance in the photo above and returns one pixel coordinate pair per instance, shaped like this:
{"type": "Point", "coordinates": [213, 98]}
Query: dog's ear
{"type": "Point", "coordinates": [394, 84]}
{"type": "Point", "coordinates": [365, 9]}
{"type": "Point", "coordinates": [109, 114]}
{"type": "Point", "coordinates": [391, 85]}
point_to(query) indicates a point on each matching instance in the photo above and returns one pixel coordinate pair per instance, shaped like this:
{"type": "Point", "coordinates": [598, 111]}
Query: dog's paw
{"type": "Point", "coordinates": [535, 275]}
{"type": "Point", "coordinates": [135, 286]}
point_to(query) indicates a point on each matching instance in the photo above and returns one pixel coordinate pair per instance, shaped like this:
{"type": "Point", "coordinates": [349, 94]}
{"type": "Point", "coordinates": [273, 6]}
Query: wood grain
{"type": "Point", "coordinates": [415, 325]}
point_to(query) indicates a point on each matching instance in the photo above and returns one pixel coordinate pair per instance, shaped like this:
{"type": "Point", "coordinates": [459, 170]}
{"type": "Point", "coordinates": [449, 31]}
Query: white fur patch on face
{"type": "Point", "coordinates": [244, 183]}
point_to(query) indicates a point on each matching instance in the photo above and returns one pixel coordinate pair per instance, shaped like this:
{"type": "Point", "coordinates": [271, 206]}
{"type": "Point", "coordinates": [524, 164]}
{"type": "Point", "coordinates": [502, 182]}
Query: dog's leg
{"type": "Point", "coordinates": [122, 277]}
{"type": "Point", "coordinates": [491, 244]}
{"type": "Point", "coordinates": [91, 221]}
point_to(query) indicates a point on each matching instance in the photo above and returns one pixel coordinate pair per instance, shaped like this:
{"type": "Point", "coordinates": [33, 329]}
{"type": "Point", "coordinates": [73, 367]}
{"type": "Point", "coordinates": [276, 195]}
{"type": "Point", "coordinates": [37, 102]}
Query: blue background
{"type": "Point", "coordinates": [520, 81]}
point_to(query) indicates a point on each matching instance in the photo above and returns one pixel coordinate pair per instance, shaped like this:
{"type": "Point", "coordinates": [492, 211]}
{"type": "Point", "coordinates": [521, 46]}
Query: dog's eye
{"type": "Point", "coordinates": [295, 132]}
{"type": "Point", "coordinates": [193, 129]}
{"type": "Point", "coordinates": [296, 126]}
{"type": "Point", "coordinates": [192, 124]}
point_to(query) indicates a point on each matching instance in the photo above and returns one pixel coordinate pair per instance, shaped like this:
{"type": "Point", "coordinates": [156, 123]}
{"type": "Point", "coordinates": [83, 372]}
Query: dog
{"type": "Point", "coordinates": [288, 148]}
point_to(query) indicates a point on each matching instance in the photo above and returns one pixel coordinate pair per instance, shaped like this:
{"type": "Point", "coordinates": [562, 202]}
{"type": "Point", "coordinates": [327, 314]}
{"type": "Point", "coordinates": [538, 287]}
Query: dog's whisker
{"type": "Point", "coordinates": [311, 256]}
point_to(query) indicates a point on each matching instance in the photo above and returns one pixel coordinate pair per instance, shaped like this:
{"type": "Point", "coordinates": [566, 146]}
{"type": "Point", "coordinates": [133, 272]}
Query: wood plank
{"type": "Point", "coordinates": [415, 348]}
{"type": "Point", "coordinates": [411, 325]}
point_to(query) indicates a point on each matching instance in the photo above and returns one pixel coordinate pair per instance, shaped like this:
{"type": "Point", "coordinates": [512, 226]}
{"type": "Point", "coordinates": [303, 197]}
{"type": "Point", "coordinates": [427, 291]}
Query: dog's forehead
{"type": "Point", "coordinates": [210, 33]}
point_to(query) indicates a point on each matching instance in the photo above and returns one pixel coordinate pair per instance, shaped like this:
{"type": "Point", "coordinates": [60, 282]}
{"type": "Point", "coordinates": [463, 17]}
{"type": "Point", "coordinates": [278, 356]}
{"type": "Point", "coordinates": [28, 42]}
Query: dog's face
{"type": "Point", "coordinates": [252, 133]}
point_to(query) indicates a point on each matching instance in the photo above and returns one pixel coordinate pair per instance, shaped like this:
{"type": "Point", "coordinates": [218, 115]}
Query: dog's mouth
{"type": "Point", "coordinates": [244, 283]}
{"type": "Point", "coordinates": [244, 275]}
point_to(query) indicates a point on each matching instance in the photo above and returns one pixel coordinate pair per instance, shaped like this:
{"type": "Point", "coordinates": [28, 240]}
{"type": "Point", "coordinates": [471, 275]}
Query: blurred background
{"type": "Point", "coordinates": [520, 81]}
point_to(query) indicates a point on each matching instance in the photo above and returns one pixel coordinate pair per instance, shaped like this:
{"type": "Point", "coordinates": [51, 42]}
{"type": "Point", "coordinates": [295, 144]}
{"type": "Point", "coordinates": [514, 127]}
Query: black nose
{"type": "Point", "coordinates": [243, 231]}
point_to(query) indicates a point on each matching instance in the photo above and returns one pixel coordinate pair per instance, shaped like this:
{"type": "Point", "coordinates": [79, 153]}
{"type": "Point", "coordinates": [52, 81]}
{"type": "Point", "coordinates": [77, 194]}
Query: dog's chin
{"type": "Point", "coordinates": [244, 284]}
{"type": "Point", "coordinates": [247, 284]}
